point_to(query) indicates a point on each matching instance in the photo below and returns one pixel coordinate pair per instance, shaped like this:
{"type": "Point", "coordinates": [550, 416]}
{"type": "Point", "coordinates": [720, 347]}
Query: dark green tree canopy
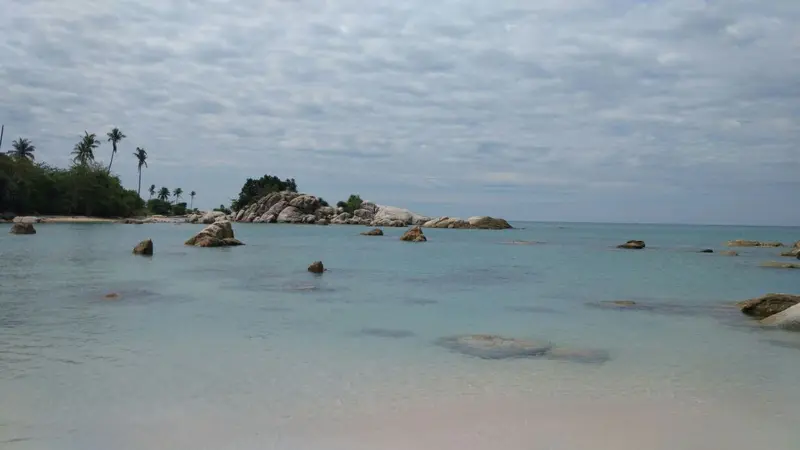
{"type": "Point", "coordinates": [353, 203]}
{"type": "Point", "coordinates": [255, 189]}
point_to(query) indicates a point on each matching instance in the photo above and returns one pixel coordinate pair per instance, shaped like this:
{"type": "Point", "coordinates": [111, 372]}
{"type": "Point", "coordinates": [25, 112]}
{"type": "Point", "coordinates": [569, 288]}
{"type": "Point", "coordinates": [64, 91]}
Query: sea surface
{"type": "Point", "coordinates": [242, 348]}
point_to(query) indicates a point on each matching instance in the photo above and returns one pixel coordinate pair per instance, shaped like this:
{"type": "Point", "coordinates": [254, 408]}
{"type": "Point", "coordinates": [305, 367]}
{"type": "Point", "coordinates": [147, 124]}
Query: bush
{"type": "Point", "coordinates": [255, 189]}
{"type": "Point", "coordinates": [159, 207]}
{"type": "Point", "coordinates": [353, 203]}
{"type": "Point", "coordinates": [179, 209]}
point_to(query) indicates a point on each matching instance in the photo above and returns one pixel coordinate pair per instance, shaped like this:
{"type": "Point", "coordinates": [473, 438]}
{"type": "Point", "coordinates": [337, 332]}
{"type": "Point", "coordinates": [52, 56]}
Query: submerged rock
{"type": "Point", "coordinates": [487, 346]}
{"type": "Point", "coordinates": [111, 296]}
{"type": "Point", "coordinates": [780, 265]}
{"type": "Point", "coordinates": [414, 234]}
{"type": "Point", "coordinates": [22, 228]}
{"type": "Point", "coordinates": [144, 248]}
{"type": "Point", "coordinates": [386, 333]}
{"type": "Point", "coordinates": [581, 355]}
{"type": "Point", "coordinates": [373, 232]}
{"type": "Point", "coordinates": [632, 245]}
{"type": "Point", "coordinates": [788, 319]}
{"type": "Point", "coordinates": [316, 267]}
{"type": "Point", "coordinates": [729, 253]}
{"type": "Point", "coordinates": [746, 243]}
{"type": "Point", "coordinates": [218, 234]}
{"type": "Point", "coordinates": [768, 305]}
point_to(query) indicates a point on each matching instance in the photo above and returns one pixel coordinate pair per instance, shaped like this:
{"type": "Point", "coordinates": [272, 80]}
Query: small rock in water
{"type": "Point", "coordinates": [632, 245]}
{"type": "Point", "coordinates": [487, 346]}
{"type": "Point", "coordinates": [746, 243]}
{"type": "Point", "coordinates": [373, 232]}
{"type": "Point", "coordinates": [581, 355]}
{"type": "Point", "coordinates": [728, 253]}
{"type": "Point", "coordinates": [22, 228]}
{"type": "Point", "coordinates": [707, 250]}
{"type": "Point", "coordinates": [111, 296]}
{"type": "Point", "coordinates": [316, 267]}
{"type": "Point", "coordinates": [414, 234]}
{"type": "Point", "coordinates": [144, 248]}
{"type": "Point", "coordinates": [780, 265]}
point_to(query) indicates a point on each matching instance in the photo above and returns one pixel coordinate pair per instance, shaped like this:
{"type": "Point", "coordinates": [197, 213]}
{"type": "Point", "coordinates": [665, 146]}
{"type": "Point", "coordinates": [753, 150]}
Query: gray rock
{"type": "Point", "coordinates": [447, 222]}
{"type": "Point", "coordinates": [414, 234]}
{"type": "Point", "coordinates": [768, 305]}
{"type": "Point", "coordinates": [316, 267]}
{"type": "Point", "coordinates": [309, 218]}
{"type": "Point", "coordinates": [211, 217]}
{"type": "Point", "coordinates": [788, 319]}
{"type": "Point", "coordinates": [218, 234]}
{"type": "Point", "coordinates": [487, 346]}
{"type": "Point", "coordinates": [325, 212]}
{"type": "Point", "coordinates": [341, 219]}
{"type": "Point", "coordinates": [364, 214]}
{"type": "Point", "coordinates": [390, 216]}
{"type": "Point", "coordinates": [746, 243]}
{"type": "Point", "coordinates": [370, 207]}
{"type": "Point", "coordinates": [276, 208]}
{"type": "Point", "coordinates": [373, 232]}
{"type": "Point", "coordinates": [22, 228]}
{"type": "Point", "coordinates": [144, 248]}
{"type": "Point", "coordinates": [26, 219]}
{"type": "Point", "coordinates": [290, 214]}
{"type": "Point", "coordinates": [305, 203]}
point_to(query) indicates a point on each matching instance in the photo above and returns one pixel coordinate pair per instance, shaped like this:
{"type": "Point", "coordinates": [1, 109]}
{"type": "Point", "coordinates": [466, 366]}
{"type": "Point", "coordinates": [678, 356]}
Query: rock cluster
{"type": "Point", "coordinates": [293, 207]}
{"type": "Point", "coordinates": [774, 310]}
{"type": "Point", "coordinates": [746, 243]}
{"type": "Point", "coordinates": [218, 234]}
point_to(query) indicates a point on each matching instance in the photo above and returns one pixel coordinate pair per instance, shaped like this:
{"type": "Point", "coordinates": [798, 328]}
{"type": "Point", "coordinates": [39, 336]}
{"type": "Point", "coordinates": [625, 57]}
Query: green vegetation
{"type": "Point", "coordinates": [353, 203]}
{"type": "Point", "coordinates": [322, 202]}
{"type": "Point", "coordinates": [255, 189]}
{"type": "Point", "coordinates": [85, 188]}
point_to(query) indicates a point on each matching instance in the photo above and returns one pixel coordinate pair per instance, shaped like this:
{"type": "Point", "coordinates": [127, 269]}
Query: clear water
{"type": "Point", "coordinates": [243, 348]}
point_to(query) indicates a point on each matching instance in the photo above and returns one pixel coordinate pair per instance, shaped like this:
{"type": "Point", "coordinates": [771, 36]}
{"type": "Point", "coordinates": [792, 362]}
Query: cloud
{"type": "Point", "coordinates": [481, 104]}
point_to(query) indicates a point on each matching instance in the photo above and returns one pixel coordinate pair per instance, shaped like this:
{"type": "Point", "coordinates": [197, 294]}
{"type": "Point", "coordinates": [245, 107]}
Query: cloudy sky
{"type": "Point", "coordinates": [684, 111]}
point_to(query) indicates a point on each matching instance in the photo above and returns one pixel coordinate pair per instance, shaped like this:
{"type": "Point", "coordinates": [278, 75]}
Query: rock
{"type": "Point", "coordinates": [22, 228]}
{"type": "Point", "coordinates": [447, 222]}
{"type": "Point", "coordinates": [26, 219]}
{"type": "Point", "coordinates": [729, 253]}
{"type": "Point", "coordinates": [632, 245]}
{"type": "Point", "coordinates": [316, 267]}
{"type": "Point", "coordinates": [788, 319]}
{"type": "Point", "coordinates": [780, 265]}
{"type": "Point", "coordinates": [373, 232]}
{"type": "Point", "coordinates": [305, 203]}
{"type": "Point", "coordinates": [290, 214]}
{"type": "Point", "coordinates": [364, 214]}
{"type": "Point", "coordinates": [211, 216]}
{"type": "Point", "coordinates": [793, 253]}
{"type": "Point", "coordinates": [413, 235]}
{"type": "Point", "coordinates": [581, 355]}
{"type": "Point", "coordinates": [218, 234]}
{"type": "Point", "coordinates": [487, 346]}
{"type": "Point", "coordinates": [370, 207]}
{"type": "Point", "coordinates": [193, 218]}
{"type": "Point", "coordinates": [768, 305]}
{"type": "Point", "coordinates": [144, 248]}
{"type": "Point", "coordinates": [325, 212]}
{"type": "Point", "coordinates": [707, 250]}
{"type": "Point", "coordinates": [390, 216]}
{"type": "Point", "coordinates": [488, 223]}
{"type": "Point", "coordinates": [745, 243]}
{"type": "Point", "coordinates": [341, 219]}
{"type": "Point", "coordinates": [322, 222]}
{"type": "Point", "coordinates": [231, 242]}
{"type": "Point", "coordinates": [111, 296]}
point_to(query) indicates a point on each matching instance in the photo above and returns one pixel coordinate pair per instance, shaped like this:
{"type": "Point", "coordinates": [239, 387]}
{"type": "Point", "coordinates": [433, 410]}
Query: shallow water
{"type": "Point", "coordinates": [243, 348]}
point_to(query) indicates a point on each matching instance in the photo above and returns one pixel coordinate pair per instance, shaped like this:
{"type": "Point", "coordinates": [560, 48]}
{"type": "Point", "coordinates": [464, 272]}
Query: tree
{"type": "Point", "coordinates": [191, 203]}
{"type": "Point", "coordinates": [353, 203]}
{"type": "Point", "coordinates": [163, 194]}
{"type": "Point", "coordinates": [84, 150]}
{"type": "Point", "coordinates": [114, 136]}
{"type": "Point", "coordinates": [141, 157]}
{"type": "Point", "coordinates": [22, 149]}
{"type": "Point", "coordinates": [177, 193]}
{"type": "Point", "coordinates": [322, 202]}
{"type": "Point", "coordinates": [152, 191]}
{"type": "Point", "coordinates": [255, 189]}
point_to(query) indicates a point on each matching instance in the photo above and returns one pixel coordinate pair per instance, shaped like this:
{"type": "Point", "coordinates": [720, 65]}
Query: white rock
{"type": "Point", "coordinates": [788, 319]}
{"type": "Point", "coordinates": [26, 219]}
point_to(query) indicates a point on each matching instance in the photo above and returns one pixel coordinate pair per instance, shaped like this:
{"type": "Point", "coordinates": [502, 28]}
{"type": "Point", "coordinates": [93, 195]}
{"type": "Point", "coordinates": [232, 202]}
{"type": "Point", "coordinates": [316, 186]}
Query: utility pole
{"type": "Point", "coordinates": [2, 129]}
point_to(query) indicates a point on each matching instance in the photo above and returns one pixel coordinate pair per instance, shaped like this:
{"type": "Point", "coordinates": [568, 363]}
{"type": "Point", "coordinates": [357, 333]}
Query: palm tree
{"type": "Point", "coordinates": [140, 155]}
{"type": "Point", "coordinates": [163, 194]}
{"type": "Point", "coordinates": [152, 191]}
{"type": "Point", "coordinates": [114, 136]}
{"type": "Point", "coordinates": [177, 193]}
{"type": "Point", "coordinates": [22, 149]}
{"type": "Point", "coordinates": [192, 194]}
{"type": "Point", "coordinates": [84, 150]}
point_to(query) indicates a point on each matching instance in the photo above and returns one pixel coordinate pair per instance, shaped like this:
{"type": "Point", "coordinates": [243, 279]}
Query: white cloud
{"type": "Point", "coordinates": [401, 100]}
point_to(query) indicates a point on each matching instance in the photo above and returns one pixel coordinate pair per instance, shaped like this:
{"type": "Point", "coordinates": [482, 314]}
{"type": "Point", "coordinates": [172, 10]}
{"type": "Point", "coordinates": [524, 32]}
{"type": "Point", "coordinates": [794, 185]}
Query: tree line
{"type": "Point", "coordinates": [86, 187]}
{"type": "Point", "coordinates": [253, 190]}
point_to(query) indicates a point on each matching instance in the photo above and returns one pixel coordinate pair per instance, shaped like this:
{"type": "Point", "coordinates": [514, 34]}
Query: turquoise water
{"type": "Point", "coordinates": [243, 348]}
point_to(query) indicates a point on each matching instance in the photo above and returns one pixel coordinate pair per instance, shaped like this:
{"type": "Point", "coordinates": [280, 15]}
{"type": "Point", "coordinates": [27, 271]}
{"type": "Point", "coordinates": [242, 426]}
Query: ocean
{"type": "Point", "coordinates": [242, 348]}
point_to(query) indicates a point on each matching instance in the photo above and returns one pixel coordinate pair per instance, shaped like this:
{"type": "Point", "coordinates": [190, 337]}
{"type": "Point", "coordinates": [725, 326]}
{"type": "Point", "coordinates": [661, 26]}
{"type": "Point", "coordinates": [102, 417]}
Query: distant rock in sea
{"type": "Point", "coordinates": [746, 243]}
{"type": "Point", "coordinates": [144, 248]}
{"type": "Point", "coordinates": [780, 265]}
{"type": "Point", "coordinates": [22, 228]}
{"type": "Point", "coordinates": [414, 234]}
{"type": "Point", "coordinates": [316, 267]}
{"type": "Point", "coordinates": [297, 208]}
{"type": "Point", "coordinates": [26, 219]}
{"type": "Point", "coordinates": [373, 232]}
{"type": "Point", "coordinates": [632, 245]}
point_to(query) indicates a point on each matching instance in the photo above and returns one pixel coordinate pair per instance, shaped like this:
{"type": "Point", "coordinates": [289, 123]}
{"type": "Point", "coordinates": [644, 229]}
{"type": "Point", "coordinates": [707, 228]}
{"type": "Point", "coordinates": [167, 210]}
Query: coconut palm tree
{"type": "Point", "coordinates": [152, 191]}
{"type": "Point", "coordinates": [22, 149]}
{"type": "Point", "coordinates": [177, 193]}
{"type": "Point", "coordinates": [84, 150]}
{"type": "Point", "coordinates": [192, 194]}
{"type": "Point", "coordinates": [114, 136]}
{"type": "Point", "coordinates": [141, 156]}
{"type": "Point", "coordinates": [163, 194]}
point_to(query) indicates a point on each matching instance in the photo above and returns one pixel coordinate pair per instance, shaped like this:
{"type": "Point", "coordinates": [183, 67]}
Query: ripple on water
{"type": "Point", "coordinates": [532, 309]}
{"type": "Point", "coordinates": [386, 333]}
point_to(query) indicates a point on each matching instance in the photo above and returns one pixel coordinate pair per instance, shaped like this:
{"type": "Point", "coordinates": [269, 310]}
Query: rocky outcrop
{"type": "Point", "coordinates": [488, 223]}
{"type": "Point", "coordinates": [22, 228]}
{"type": "Point", "coordinates": [218, 234]}
{"type": "Point", "coordinates": [390, 216]}
{"type": "Point", "coordinates": [144, 248]}
{"type": "Point", "coordinates": [788, 319]}
{"type": "Point", "coordinates": [373, 232]}
{"type": "Point", "coordinates": [793, 253]}
{"type": "Point", "coordinates": [26, 219]}
{"type": "Point", "coordinates": [768, 305]}
{"type": "Point", "coordinates": [447, 222]}
{"type": "Point", "coordinates": [632, 245]}
{"type": "Point", "coordinates": [414, 235]}
{"type": "Point", "coordinates": [746, 243]}
{"type": "Point", "coordinates": [316, 267]}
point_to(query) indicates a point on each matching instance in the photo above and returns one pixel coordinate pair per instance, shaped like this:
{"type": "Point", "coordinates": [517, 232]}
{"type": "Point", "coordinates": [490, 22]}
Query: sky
{"type": "Point", "coordinates": [684, 111]}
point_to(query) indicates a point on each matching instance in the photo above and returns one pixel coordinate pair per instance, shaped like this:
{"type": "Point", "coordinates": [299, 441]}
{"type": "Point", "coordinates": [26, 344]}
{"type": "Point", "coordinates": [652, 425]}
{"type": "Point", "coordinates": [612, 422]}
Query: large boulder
{"type": "Point", "coordinates": [373, 232]}
{"type": "Point", "coordinates": [370, 207]}
{"type": "Point", "coordinates": [316, 267]}
{"type": "Point", "coordinates": [26, 219]}
{"type": "Point", "coordinates": [211, 216]}
{"type": "Point", "coordinates": [768, 305]}
{"type": "Point", "coordinates": [746, 243]}
{"type": "Point", "coordinates": [341, 219]}
{"type": "Point", "coordinates": [414, 234]}
{"type": "Point", "coordinates": [218, 234]}
{"type": "Point", "coordinates": [305, 203]}
{"type": "Point", "coordinates": [488, 223]}
{"type": "Point", "coordinates": [290, 214]}
{"type": "Point", "coordinates": [364, 214]}
{"type": "Point", "coordinates": [144, 248]}
{"type": "Point", "coordinates": [632, 245]}
{"type": "Point", "coordinates": [447, 222]}
{"type": "Point", "coordinates": [788, 319]}
{"type": "Point", "coordinates": [390, 216]}
{"type": "Point", "coordinates": [325, 212]}
{"type": "Point", "coordinates": [22, 228]}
